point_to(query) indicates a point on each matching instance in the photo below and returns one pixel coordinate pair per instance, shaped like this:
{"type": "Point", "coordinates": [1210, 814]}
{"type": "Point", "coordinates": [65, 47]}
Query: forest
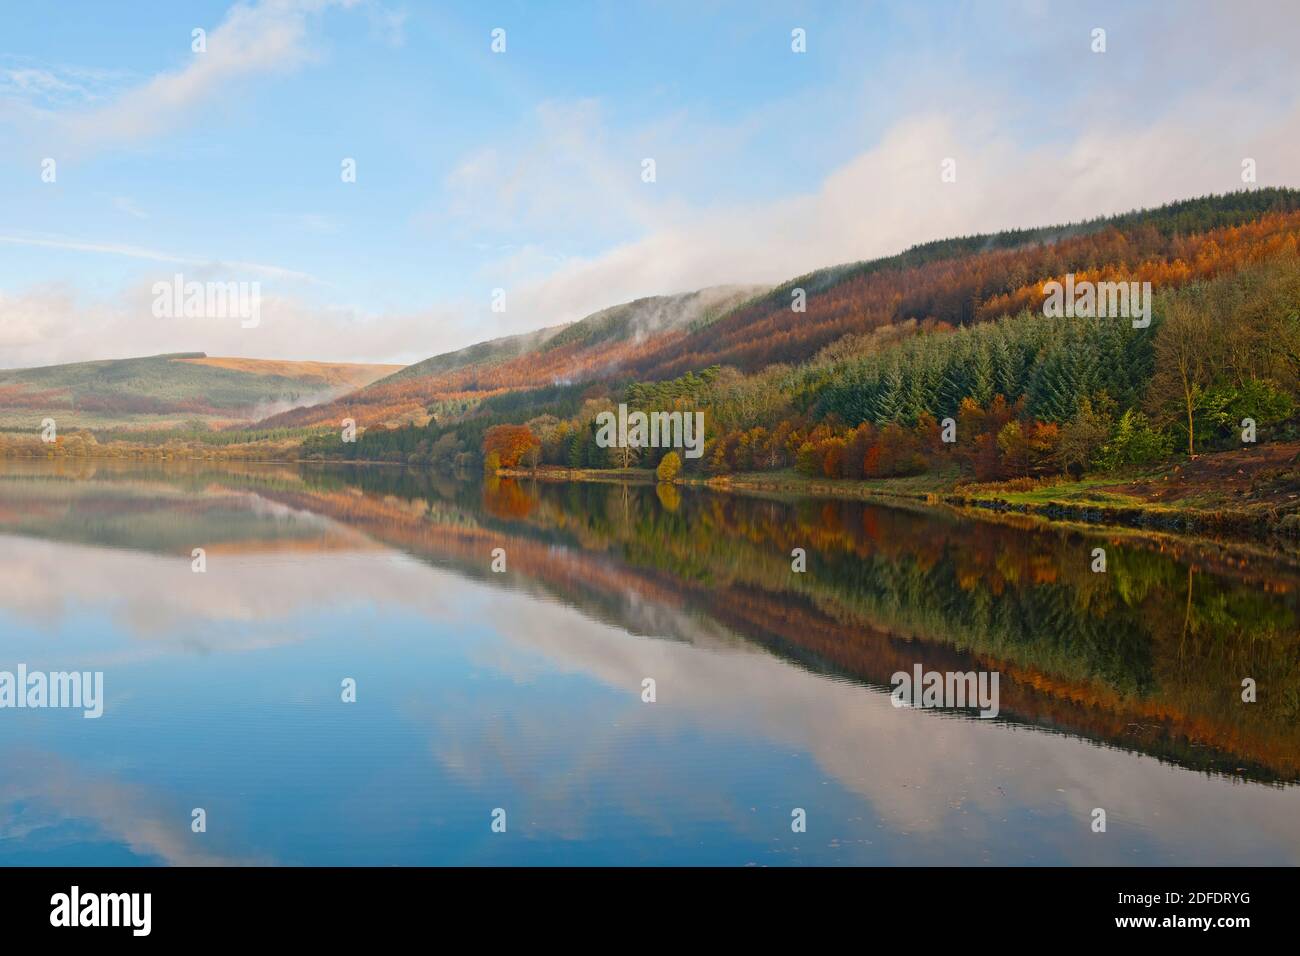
{"type": "Point", "coordinates": [939, 359]}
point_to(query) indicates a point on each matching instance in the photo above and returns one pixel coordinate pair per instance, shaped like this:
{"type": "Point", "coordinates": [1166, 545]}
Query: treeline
{"type": "Point", "coordinates": [1024, 396]}
{"type": "Point", "coordinates": [942, 386]}
{"type": "Point", "coordinates": [1030, 396]}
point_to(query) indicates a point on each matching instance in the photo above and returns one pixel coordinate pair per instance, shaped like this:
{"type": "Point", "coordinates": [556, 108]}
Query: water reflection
{"type": "Point", "coordinates": [522, 690]}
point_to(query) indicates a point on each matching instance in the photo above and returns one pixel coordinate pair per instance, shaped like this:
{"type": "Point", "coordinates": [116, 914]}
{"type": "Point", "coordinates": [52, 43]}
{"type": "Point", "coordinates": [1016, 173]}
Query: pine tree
{"type": "Point", "coordinates": [956, 384]}
{"type": "Point", "coordinates": [981, 377]}
{"type": "Point", "coordinates": [1005, 369]}
{"type": "Point", "coordinates": [893, 387]}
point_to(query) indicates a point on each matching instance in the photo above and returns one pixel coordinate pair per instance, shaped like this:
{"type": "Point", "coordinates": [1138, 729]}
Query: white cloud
{"type": "Point", "coordinates": [70, 244]}
{"type": "Point", "coordinates": [253, 39]}
{"type": "Point", "coordinates": [40, 88]}
{"type": "Point", "coordinates": [891, 197]}
{"type": "Point", "coordinates": [562, 173]}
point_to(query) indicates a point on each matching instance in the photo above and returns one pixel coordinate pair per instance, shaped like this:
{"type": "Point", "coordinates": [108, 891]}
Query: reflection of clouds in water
{"type": "Point", "coordinates": [48, 791]}
{"type": "Point", "coordinates": [242, 602]}
{"type": "Point", "coordinates": [919, 770]}
{"type": "Point", "coordinates": [570, 765]}
{"type": "Point", "coordinates": [954, 785]}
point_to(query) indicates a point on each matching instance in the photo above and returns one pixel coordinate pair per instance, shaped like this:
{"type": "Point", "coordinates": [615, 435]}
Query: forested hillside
{"type": "Point", "coordinates": [858, 383]}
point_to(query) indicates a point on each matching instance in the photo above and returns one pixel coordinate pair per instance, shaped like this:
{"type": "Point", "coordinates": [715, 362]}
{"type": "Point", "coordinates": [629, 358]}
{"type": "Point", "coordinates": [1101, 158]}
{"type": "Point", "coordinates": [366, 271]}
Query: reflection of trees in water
{"type": "Point", "coordinates": [668, 496]}
{"type": "Point", "coordinates": [1152, 648]}
{"type": "Point", "coordinates": [506, 498]}
{"type": "Point", "coordinates": [1149, 655]}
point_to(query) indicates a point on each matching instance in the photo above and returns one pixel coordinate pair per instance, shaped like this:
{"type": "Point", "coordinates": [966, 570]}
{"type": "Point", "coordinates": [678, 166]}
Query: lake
{"type": "Point", "coordinates": [502, 716]}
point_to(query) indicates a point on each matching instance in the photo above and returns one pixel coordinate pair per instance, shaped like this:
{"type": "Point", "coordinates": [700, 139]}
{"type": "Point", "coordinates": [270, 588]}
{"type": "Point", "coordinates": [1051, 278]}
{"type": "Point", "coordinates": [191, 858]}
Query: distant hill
{"type": "Point", "coordinates": [947, 283]}
{"type": "Point", "coordinates": [164, 390]}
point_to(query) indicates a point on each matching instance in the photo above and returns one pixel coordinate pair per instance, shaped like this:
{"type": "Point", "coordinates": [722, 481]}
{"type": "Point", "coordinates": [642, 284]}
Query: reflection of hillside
{"type": "Point", "coordinates": [1124, 658]}
{"type": "Point", "coordinates": [159, 517]}
{"type": "Point", "coordinates": [449, 536]}
{"type": "Point", "coordinates": [1147, 657]}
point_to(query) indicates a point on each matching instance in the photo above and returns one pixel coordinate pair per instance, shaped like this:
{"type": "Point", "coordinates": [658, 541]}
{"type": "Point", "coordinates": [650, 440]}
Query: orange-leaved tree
{"type": "Point", "coordinates": [510, 442]}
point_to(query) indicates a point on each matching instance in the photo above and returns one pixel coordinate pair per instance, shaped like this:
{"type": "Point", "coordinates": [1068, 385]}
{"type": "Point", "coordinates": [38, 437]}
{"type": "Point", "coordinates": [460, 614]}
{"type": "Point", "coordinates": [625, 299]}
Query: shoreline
{"type": "Point", "coordinates": [1211, 535]}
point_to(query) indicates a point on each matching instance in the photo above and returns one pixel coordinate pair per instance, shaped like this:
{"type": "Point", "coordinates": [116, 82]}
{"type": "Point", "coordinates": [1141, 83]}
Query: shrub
{"type": "Point", "coordinates": [1083, 438]}
{"type": "Point", "coordinates": [1224, 406]}
{"type": "Point", "coordinates": [1135, 443]}
{"type": "Point", "coordinates": [669, 467]}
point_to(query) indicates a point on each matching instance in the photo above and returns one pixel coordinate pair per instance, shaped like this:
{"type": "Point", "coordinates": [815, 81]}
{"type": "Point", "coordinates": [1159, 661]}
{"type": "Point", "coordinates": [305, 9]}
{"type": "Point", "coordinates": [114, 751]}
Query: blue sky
{"type": "Point", "coordinates": [522, 170]}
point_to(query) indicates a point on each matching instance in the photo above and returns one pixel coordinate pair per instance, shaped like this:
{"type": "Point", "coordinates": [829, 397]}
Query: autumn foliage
{"type": "Point", "coordinates": [941, 359]}
{"type": "Point", "coordinates": [510, 443]}
{"type": "Point", "coordinates": [669, 467]}
{"type": "Point", "coordinates": [941, 285]}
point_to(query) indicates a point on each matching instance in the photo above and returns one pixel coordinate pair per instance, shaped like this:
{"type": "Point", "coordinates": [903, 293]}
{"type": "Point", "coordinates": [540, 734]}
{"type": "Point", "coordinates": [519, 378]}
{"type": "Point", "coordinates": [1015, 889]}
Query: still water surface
{"type": "Point", "coordinates": [522, 690]}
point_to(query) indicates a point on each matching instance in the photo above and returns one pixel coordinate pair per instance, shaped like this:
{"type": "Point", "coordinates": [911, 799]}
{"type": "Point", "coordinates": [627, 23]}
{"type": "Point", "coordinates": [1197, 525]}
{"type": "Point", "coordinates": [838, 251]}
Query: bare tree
{"type": "Point", "coordinates": [1187, 354]}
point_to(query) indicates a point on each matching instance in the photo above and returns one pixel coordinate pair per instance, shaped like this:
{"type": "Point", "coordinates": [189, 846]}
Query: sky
{"type": "Point", "coordinates": [517, 178]}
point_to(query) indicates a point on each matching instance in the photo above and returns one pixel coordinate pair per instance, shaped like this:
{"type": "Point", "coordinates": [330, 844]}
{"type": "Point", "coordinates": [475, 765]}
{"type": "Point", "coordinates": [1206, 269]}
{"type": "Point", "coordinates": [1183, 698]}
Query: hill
{"type": "Point", "coordinates": [857, 382]}
{"type": "Point", "coordinates": [167, 390]}
{"type": "Point", "coordinates": [947, 283]}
